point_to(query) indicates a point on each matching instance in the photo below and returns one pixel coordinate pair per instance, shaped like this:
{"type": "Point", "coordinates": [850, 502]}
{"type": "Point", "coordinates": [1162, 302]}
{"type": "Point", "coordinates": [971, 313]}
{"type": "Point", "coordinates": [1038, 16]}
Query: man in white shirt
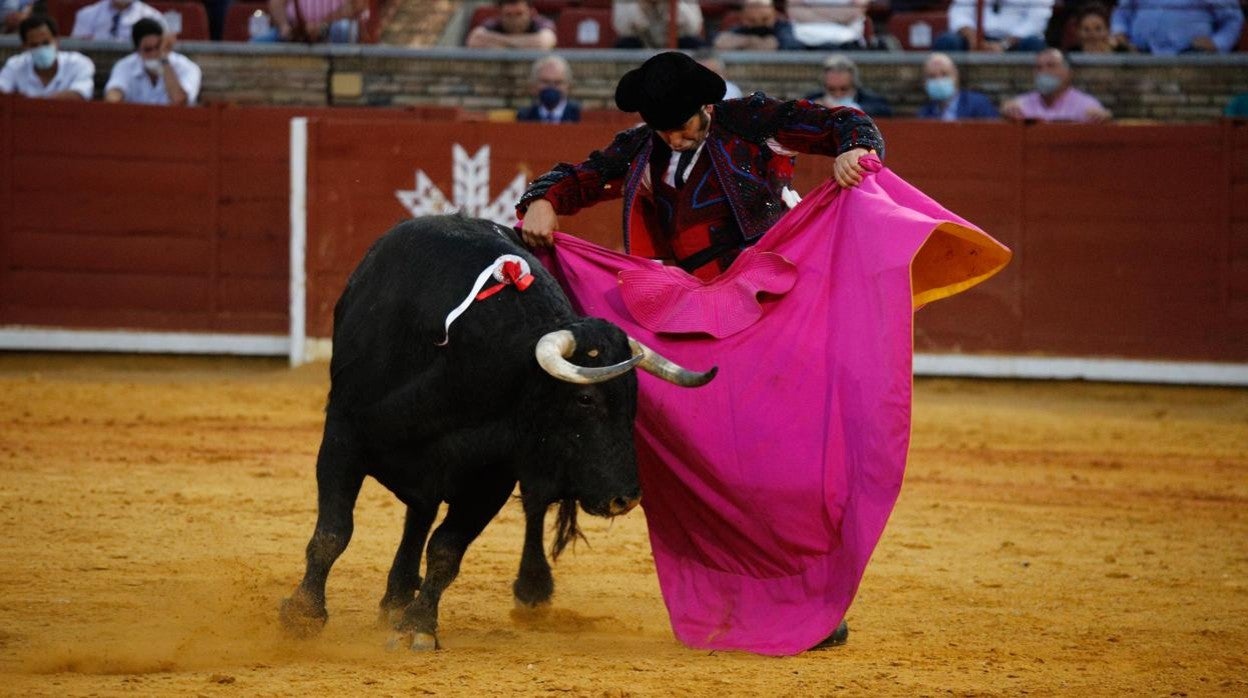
{"type": "Point", "coordinates": [112, 20]}
{"type": "Point", "coordinates": [1009, 25]}
{"type": "Point", "coordinates": [154, 73]}
{"type": "Point", "coordinates": [43, 70]}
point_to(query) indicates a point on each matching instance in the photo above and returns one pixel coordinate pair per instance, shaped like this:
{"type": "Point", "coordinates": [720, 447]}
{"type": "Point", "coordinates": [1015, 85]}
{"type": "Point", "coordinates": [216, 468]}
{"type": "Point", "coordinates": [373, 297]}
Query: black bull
{"type": "Point", "coordinates": [523, 391]}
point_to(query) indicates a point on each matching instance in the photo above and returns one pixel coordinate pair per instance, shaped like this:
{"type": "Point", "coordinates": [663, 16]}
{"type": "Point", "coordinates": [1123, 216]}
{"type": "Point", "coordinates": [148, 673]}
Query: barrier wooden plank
{"type": "Point", "coordinates": [86, 253]}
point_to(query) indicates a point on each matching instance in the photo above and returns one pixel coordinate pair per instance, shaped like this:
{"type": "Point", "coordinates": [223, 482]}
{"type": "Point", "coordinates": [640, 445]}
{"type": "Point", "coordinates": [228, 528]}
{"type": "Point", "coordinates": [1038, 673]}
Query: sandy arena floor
{"type": "Point", "coordinates": [1075, 539]}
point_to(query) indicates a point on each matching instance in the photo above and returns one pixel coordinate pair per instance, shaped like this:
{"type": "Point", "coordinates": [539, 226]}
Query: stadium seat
{"type": "Point", "coordinates": [63, 11]}
{"type": "Point", "coordinates": [550, 8]}
{"type": "Point", "coordinates": [585, 27]}
{"type": "Point", "coordinates": [238, 18]}
{"type": "Point", "coordinates": [917, 30]}
{"type": "Point", "coordinates": [186, 18]}
{"type": "Point", "coordinates": [480, 15]}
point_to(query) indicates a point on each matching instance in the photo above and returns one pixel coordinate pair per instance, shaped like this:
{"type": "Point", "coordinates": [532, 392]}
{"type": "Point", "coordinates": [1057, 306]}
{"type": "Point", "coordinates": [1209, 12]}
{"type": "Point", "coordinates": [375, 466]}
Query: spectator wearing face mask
{"type": "Point", "coordinates": [841, 88]}
{"type": "Point", "coordinates": [947, 100]}
{"type": "Point", "coordinates": [550, 80]}
{"type": "Point", "coordinates": [112, 20]}
{"type": "Point", "coordinates": [1054, 98]}
{"type": "Point", "coordinates": [154, 73]}
{"type": "Point", "coordinates": [43, 70]}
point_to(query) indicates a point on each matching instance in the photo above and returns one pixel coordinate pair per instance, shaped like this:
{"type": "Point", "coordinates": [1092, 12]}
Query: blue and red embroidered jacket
{"type": "Point", "coordinates": [749, 174]}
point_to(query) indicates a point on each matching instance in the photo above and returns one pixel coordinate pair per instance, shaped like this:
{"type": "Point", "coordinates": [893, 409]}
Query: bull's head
{"type": "Point", "coordinates": [589, 433]}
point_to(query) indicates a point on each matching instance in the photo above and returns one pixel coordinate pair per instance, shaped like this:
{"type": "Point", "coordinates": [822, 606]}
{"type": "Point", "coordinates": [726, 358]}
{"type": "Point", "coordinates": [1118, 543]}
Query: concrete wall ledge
{"type": "Point", "coordinates": [1175, 88]}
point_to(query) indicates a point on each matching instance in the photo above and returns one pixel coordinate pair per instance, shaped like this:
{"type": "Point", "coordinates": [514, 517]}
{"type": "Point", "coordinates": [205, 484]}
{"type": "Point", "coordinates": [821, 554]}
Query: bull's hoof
{"type": "Point", "coordinates": [424, 642]}
{"type": "Point", "coordinates": [416, 642]}
{"type": "Point", "coordinates": [532, 606]}
{"type": "Point", "coordinates": [301, 618]}
{"type": "Point", "coordinates": [533, 591]}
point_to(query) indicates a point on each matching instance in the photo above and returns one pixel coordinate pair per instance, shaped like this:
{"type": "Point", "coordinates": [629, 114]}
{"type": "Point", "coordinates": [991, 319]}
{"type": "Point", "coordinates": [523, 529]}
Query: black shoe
{"type": "Point", "coordinates": [836, 639]}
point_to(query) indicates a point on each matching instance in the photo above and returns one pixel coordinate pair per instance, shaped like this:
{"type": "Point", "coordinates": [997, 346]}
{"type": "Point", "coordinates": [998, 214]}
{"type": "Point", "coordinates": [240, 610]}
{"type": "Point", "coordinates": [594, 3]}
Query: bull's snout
{"type": "Point", "coordinates": [623, 505]}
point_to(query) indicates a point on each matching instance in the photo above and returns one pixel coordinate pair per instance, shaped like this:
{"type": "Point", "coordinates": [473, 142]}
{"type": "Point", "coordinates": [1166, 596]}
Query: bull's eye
{"type": "Point", "coordinates": [585, 399]}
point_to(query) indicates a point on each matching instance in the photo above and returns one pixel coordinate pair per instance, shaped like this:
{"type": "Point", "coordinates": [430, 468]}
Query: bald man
{"type": "Point", "coordinates": [947, 100]}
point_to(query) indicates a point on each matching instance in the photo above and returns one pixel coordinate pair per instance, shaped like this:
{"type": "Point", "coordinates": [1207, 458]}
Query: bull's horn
{"type": "Point", "coordinates": [657, 365]}
{"type": "Point", "coordinates": [553, 350]}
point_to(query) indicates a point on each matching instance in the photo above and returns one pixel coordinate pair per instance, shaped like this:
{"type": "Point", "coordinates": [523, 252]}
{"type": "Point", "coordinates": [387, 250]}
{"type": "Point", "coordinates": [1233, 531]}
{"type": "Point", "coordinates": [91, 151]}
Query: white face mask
{"type": "Point", "coordinates": [152, 65]}
{"type": "Point", "coordinates": [840, 101]}
{"type": "Point", "coordinates": [43, 56]}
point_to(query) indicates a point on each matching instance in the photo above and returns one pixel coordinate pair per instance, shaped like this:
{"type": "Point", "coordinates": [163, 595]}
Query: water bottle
{"type": "Point", "coordinates": [258, 23]}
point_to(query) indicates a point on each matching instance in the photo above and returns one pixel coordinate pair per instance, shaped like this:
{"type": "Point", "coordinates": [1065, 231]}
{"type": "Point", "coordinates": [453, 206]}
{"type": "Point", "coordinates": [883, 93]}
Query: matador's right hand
{"type": "Point", "coordinates": [539, 224]}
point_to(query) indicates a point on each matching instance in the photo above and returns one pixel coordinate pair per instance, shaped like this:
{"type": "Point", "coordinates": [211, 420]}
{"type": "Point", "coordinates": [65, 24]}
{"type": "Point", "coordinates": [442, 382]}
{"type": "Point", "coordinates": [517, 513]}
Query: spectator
{"type": "Point", "coordinates": [1168, 27]}
{"type": "Point", "coordinates": [550, 79]}
{"type": "Point", "coordinates": [154, 73]}
{"type": "Point", "coordinates": [1237, 108]}
{"type": "Point", "coordinates": [112, 20]}
{"type": "Point", "coordinates": [946, 101]}
{"type": "Point", "coordinates": [643, 23]}
{"type": "Point", "coordinates": [43, 70]}
{"type": "Point", "coordinates": [1092, 23]}
{"type": "Point", "coordinates": [760, 28]}
{"type": "Point", "coordinates": [314, 21]}
{"type": "Point", "coordinates": [715, 64]}
{"type": "Point", "coordinates": [827, 25]}
{"type": "Point", "coordinates": [516, 26]}
{"type": "Point", "coordinates": [841, 88]}
{"type": "Point", "coordinates": [12, 12]}
{"type": "Point", "coordinates": [1009, 25]}
{"type": "Point", "coordinates": [1054, 99]}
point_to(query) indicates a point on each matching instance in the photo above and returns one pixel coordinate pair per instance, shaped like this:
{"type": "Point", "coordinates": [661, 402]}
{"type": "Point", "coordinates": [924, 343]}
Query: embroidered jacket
{"type": "Point", "coordinates": [745, 135]}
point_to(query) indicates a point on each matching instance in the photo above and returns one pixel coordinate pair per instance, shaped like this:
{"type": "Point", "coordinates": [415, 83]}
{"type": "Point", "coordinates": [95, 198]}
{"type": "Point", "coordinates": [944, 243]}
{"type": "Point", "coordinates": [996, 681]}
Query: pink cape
{"type": "Point", "coordinates": [766, 490]}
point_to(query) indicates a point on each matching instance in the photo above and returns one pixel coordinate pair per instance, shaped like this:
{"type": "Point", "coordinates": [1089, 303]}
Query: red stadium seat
{"type": "Point", "coordinates": [917, 30]}
{"type": "Point", "coordinates": [63, 12]}
{"type": "Point", "coordinates": [186, 18]}
{"type": "Point", "coordinates": [238, 19]}
{"type": "Point", "coordinates": [480, 15]}
{"type": "Point", "coordinates": [584, 27]}
{"type": "Point", "coordinates": [550, 8]}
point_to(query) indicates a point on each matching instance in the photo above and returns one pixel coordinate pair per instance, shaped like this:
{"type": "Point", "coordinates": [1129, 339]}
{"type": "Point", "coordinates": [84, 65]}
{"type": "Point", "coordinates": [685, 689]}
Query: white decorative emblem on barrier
{"type": "Point", "coordinates": [472, 191]}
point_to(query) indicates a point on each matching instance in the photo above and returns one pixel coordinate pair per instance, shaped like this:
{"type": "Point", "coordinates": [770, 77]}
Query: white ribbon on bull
{"type": "Point", "coordinates": [554, 348]}
{"type": "Point", "coordinates": [494, 270]}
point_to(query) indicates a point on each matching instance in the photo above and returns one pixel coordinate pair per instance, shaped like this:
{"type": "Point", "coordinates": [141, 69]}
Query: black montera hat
{"type": "Point", "coordinates": [668, 89]}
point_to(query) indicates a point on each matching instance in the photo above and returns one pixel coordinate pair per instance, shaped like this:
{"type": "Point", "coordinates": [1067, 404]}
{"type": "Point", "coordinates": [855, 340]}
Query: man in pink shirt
{"type": "Point", "coordinates": [1054, 99]}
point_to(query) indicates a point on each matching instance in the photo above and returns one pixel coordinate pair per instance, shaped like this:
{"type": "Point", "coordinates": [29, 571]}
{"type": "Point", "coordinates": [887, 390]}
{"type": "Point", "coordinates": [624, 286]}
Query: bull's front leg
{"type": "Point", "coordinates": [339, 476]}
{"type": "Point", "coordinates": [534, 583]}
{"type": "Point", "coordinates": [466, 517]}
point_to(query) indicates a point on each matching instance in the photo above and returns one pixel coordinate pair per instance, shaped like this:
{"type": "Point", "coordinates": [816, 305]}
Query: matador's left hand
{"type": "Point", "coordinates": [846, 168]}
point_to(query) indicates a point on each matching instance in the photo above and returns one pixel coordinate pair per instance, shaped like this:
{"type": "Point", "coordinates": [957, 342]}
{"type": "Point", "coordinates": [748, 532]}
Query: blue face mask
{"type": "Point", "coordinates": [939, 89]}
{"type": "Point", "coordinates": [1047, 84]}
{"type": "Point", "coordinates": [550, 97]}
{"type": "Point", "coordinates": [43, 56]}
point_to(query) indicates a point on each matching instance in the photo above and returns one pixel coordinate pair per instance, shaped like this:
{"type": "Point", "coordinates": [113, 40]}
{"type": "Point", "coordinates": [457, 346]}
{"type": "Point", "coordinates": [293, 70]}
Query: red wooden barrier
{"type": "Point", "coordinates": [1129, 241]}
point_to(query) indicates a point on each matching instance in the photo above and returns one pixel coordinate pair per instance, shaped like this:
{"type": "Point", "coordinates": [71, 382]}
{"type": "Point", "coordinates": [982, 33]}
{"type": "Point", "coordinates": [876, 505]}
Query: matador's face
{"type": "Point", "coordinates": [691, 134]}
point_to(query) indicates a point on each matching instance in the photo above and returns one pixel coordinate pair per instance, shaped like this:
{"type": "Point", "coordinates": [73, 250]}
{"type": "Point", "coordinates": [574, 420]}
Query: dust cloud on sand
{"type": "Point", "coordinates": [1065, 538]}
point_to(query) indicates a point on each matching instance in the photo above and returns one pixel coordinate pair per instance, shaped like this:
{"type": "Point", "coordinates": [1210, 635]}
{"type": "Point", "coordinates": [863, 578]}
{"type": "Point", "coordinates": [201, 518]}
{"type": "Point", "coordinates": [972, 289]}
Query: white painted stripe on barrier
{"type": "Point", "coordinates": [298, 238]}
{"type": "Point", "coordinates": [1071, 368]}
{"type": "Point", "coordinates": [320, 349]}
{"type": "Point", "coordinates": [43, 339]}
